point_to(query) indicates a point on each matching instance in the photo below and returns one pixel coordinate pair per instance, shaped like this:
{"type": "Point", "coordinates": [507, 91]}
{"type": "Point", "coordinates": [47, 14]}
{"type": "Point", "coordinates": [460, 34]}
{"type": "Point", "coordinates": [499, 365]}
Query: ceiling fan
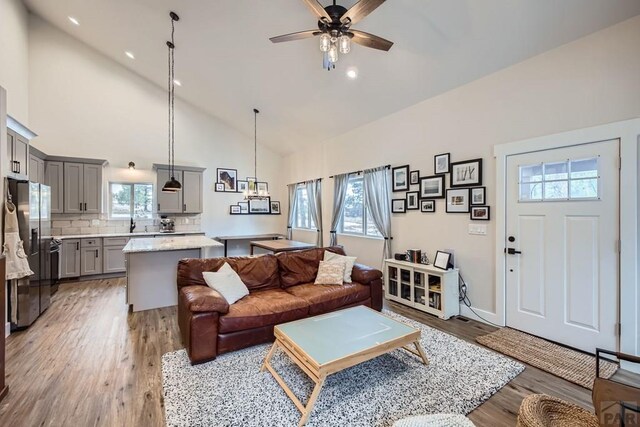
{"type": "Point", "coordinates": [334, 29]}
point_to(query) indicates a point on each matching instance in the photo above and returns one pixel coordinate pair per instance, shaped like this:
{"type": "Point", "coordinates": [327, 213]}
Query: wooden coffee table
{"type": "Point", "coordinates": [326, 344]}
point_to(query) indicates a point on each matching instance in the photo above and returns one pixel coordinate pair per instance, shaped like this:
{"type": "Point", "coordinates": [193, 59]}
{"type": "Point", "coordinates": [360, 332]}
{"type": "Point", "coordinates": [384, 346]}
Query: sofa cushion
{"type": "Point", "coordinates": [257, 273]}
{"type": "Point", "coordinates": [297, 267]}
{"type": "Point", "coordinates": [227, 282]}
{"type": "Point", "coordinates": [324, 298]}
{"type": "Point", "coordinates": [263, 308]}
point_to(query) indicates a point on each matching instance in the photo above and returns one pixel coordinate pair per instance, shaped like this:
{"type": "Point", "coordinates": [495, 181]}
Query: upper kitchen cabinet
{"type": "Point", "coordinates": [82, 187]}
{"type": "Point", "coordinates": [36, 165]}
{"type": "Point", "coordinates": [54, 178]}
{"type": "Point", "coordinates": [189, 199]}
{"type": "Point", "coordinates": [18, 137]}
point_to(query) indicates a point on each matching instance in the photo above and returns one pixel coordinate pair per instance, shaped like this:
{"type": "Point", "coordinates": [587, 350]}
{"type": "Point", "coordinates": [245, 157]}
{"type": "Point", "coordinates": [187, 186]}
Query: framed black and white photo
{"type": "Point", "coordinates": [243, 186]}
{"type": "Point", "coordinates": [480, 213]}
{"type": "Point", "coordinates": [432, 187]}
{"type": "Point", "coordinates": [414, 177]}
{"type": "Point", "coordinates": [478, 195]}
{"type": "Point", "coordinates": [260, 206]}
{"type": "Point", "coordinates": [467, 173]}
{"type": "Point", "coordinates": [228, 177]}
{"type": "Point", "coordinates": [442, 260]}
{"type": "Point", "coordinates": [400, 178]}
{"type": "Point", "coordinates": [412, 200]}
{"type": "Point", "coordinates": [458, 200]}
{"type": "Point", "coordinates": [275, 208]}
{"type": "Point", "coordinates": [234, 210]}
{"type": "Point", "coordinates": [427, 205]}
{"type": "Point", "coordinates": [263, 187]}
{"type": "Point", "coordinates": [219, 187]}
{"type": "Point", "coordinates": [398, 205]}
{"type": "Point", "coordinates": [244, 207]}
{"type": "Point", "coordinates": [442, 163]}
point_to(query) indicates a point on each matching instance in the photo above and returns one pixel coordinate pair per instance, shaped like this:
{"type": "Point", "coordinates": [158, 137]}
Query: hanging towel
{"type": "Point", "coordinates": [17, 261]}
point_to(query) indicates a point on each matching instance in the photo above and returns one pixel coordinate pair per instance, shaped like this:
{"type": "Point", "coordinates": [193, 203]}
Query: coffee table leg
{"type": "Point", "coordinates": [269, 356]}
{"type": "Point", "coordinates": [312, 401]}
{"type": "Point", "coordinates": [421, 351]}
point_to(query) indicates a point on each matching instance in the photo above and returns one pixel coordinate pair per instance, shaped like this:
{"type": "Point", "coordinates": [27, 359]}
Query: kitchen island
{"type": "Point", "coordinates": [152, 267]}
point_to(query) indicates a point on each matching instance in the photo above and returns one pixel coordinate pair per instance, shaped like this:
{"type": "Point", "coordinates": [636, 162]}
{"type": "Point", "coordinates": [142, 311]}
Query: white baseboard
{"type": "Point", "coordinates": [7, 329]}
{"type": "Point", "coordinates": [488, 316]}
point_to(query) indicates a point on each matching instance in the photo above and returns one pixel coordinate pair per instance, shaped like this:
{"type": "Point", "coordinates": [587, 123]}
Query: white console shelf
{"type": "Point", "coordinates": [421, 286]}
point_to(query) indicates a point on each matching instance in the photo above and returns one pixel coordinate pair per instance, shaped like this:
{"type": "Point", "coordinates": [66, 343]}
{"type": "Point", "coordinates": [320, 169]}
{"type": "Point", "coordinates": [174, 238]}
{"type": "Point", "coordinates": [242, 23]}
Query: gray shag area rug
{"type": "Point", "coordinates": [231, 390]}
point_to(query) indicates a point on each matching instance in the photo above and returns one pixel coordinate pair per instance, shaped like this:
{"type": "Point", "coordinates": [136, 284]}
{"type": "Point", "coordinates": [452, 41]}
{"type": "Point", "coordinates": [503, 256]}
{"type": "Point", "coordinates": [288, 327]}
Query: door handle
{"type": "Point", "coordinates": [18, 167]}
{"type": "Point", "coordinates": [80, 205]}
{"type": "Point", "coordinates": [77, 246]}
{"type": "Point", "coordinates": [512, 251]}
{"type": "Point", "coordinates": [85, 207]}
{"type": "Point", "coordinates": [96, 253]}
{"type": "Point", "coordinates": [184, 207]}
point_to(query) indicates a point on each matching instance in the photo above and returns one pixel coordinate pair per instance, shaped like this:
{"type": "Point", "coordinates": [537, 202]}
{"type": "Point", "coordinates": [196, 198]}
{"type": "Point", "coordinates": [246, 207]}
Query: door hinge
{"type": "Point", "coordinates": [619, 163]}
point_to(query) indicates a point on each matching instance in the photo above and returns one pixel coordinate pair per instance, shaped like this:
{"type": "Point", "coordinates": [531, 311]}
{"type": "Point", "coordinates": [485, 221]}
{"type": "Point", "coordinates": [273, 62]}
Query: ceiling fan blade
{"type": "Point", "coordinates": [317, 9]}
{"type": "Point", "coordinates": [359, 11]}
{"type": "Point", "coordinates": [295, 36]}
{"type": "Point", "coordinates": [369, 40]}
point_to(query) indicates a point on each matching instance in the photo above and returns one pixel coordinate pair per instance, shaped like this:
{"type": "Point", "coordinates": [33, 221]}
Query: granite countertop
{"type": "Point", "coordinates": [141, 234]}
{"type": "Point", "coordinates": [175, 243]}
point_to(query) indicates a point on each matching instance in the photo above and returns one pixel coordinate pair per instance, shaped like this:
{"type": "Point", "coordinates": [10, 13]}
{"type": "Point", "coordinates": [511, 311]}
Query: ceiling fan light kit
{"type": "Point", "coordinates": [334, 29]}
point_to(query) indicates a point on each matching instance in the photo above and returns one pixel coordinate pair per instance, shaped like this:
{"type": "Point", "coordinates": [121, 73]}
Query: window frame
{"type": "Point", "coordinates": [312, 226]}
{"type": "Point", "coordinates": [568, 180]}
{"type": "Point", "coordinates": [132, 203]}
{"type": "Point", "coordinates": [365, 215]}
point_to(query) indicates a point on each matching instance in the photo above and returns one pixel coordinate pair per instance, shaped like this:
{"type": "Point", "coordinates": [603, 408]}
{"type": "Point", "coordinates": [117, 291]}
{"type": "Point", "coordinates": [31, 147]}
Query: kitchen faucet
{"type": "Point", "coordinates": [132, 226]}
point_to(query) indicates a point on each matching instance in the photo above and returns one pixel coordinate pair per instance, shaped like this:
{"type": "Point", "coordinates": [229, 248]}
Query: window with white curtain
{"type": "Point", "coordinates": [302, 216]}
{"type": "Point", "coordinates": [356, 218]}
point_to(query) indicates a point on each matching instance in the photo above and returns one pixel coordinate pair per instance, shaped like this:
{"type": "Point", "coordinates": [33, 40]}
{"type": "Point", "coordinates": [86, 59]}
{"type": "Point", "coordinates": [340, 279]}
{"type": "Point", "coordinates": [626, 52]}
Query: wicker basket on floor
{"type": "Point", "coordinates": [540, 410]}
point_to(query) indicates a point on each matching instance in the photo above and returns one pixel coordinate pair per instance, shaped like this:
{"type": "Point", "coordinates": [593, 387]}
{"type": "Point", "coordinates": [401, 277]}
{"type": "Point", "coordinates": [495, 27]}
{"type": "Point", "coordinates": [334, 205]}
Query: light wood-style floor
{"type": "Point", "coordinates": [88, 362]}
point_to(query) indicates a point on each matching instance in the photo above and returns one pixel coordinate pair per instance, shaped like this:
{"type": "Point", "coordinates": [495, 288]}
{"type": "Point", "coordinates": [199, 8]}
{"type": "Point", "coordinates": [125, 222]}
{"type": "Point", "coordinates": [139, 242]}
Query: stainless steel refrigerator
{"type": "Point", "coordinates": [33, 203]}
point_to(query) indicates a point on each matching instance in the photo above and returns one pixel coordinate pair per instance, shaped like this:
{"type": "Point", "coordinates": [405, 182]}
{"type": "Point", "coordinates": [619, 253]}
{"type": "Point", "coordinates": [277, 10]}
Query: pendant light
{"type": "Point", "coordinates": [172, 185]}
{"type": "Point", "coordinates": [254, 193]}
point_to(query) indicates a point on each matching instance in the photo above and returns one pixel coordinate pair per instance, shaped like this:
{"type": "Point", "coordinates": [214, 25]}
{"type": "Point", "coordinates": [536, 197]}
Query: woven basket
{"type": "Point", "coordinates": [540, 410]}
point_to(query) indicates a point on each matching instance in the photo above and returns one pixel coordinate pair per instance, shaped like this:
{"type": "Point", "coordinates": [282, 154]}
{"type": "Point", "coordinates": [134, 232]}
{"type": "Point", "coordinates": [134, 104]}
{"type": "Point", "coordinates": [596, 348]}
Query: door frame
{"type": "Point", "coordinates": [628, 132]}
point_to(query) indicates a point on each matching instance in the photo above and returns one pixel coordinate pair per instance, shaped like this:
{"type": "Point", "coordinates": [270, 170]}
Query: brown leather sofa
{"type": "Point", "coordinates": [281, 289]}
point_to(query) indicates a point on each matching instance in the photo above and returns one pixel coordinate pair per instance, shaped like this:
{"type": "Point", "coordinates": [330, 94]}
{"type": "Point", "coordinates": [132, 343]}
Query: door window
{"type": "Point", "coordinates": [555, 181]}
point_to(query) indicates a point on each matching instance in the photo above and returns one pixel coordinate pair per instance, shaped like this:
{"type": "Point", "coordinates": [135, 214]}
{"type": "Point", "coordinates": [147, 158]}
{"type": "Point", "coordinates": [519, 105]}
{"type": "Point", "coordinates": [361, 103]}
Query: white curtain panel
{"type": "Point", "coordinates": [314, 194]}
{"type": "Point", "coordinates": [378, 198]}
{"type": "Point", "coordinates": [292, 209]}
{"type": "Point", "coordinates": [340, 183]}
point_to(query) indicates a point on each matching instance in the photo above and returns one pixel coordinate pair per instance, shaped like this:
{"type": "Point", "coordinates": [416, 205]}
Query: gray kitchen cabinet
{"type": "Point", "coordinates": [92, 191]}
{"type": "Point", "coordinates": [36, 169]}
{"type": "Point", "coordinates": [191, 192]}
{"type": "Point", "coordinates": [113, 259]}
{"type": "Point", "coordinates": [90, 260]}
{"type": "Point", "coordinates": [70, 258]}
{"type": "Point", "coordinates": [82, 191]}
{"type": "Point", "coordinates": [73, 187]}
{"type": "Point", "coordinates": [168, 202]}
{"type": "Point", "coordinates": [18, 155]}
{"type": "Point", "coordinates": [54, 178]}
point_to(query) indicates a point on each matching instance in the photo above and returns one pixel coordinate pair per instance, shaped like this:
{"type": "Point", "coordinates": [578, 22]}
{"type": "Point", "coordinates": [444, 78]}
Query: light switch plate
{"type": "Point", "coordinates": [478, 229]}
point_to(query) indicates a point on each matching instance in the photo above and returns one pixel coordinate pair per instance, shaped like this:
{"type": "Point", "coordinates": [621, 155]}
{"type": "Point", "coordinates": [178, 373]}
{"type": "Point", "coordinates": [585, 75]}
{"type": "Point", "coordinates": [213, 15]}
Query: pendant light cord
{"type": "Point", "coordinates": [171, 90]}
{"type": "Point", "coordinates": [255, 144]}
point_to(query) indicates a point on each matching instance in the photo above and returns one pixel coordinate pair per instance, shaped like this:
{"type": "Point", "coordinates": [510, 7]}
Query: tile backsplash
{"type": "Point", "coordinates": [72, 224]}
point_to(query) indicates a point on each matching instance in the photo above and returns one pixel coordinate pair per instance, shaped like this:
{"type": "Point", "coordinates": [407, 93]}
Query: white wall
{"type": "Point", "coordinates": [14, 61]}
{"type": "Point", "coordinates": [591, 81]}
{"type": "Point", "coordinates": [86, 105]}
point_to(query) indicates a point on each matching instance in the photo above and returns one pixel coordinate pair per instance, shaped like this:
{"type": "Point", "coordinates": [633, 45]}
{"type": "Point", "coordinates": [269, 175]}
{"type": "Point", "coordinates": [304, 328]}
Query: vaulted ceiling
{"type": "Point", "coordinates": [227, 65]}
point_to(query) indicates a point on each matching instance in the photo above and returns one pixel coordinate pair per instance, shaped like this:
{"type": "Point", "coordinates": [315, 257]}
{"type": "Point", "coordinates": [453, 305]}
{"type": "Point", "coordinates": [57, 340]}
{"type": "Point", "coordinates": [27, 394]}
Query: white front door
{"type": "Point", "coordinates": [562, 244]}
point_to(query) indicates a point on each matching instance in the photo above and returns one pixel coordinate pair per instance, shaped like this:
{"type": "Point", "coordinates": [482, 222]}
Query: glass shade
{"type": "Point", "coordinates": [333, 54]}
{"type": "Point", "coordinates": [325, 42]}
{"type": "Point", "coordinates": [345, 44]}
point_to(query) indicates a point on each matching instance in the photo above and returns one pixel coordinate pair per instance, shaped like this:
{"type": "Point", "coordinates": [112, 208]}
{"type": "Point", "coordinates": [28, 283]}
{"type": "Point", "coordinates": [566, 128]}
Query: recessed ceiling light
{"type": "Point", "coordinates": [130, 55]}
{"type": "Point", "coordinates": [352, 73]}
{"type": "Point", "coordinates": [73, 20]}
{"type": "Point", "coordinates": [177, 82]}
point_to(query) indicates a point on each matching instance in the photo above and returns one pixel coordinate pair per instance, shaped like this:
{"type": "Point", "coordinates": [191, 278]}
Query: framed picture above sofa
{"type": "Point", "coordinates": [432, 187]}
{"type": "Point", "coordinates": [467, 173]}
{"type": "Point", "coordinates": [400, 178]}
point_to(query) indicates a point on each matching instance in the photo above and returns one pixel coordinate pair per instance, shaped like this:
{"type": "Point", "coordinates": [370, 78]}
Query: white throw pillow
{"type": "Point", "coordinates": [227, 282]}
{"type": "Point", "coordinates": [349, 261]}
{"type": "Point", "coordinates": [330, 273]}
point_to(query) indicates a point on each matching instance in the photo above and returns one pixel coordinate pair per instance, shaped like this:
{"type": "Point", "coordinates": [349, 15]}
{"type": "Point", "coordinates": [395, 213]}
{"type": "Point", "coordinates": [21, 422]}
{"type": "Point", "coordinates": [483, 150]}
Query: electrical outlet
{"type": "Point", "coordinates": [478, 229]}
